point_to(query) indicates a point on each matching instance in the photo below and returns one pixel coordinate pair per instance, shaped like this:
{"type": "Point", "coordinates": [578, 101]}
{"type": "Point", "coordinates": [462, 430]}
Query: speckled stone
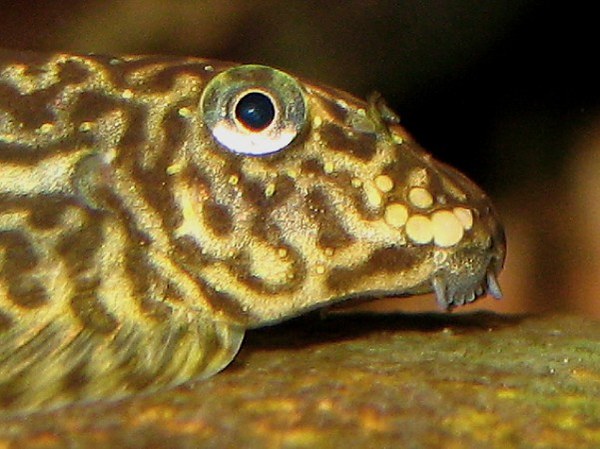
{"type": "Point", "coordinates": [395, 381]}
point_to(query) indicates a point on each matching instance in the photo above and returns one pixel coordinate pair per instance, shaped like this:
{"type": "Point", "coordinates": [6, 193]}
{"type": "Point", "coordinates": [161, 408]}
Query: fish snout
{"type": "Point", "coordinates": [470, 270]}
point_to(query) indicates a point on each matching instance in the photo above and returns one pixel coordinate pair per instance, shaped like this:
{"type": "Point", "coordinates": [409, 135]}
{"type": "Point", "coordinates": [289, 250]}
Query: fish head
{"type": "Point", "coordinates": [303, 196]}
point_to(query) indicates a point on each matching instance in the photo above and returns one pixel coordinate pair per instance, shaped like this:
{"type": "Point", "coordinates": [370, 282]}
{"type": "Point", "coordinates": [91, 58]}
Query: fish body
{"type": "Point", "coordinates": [153, 208]}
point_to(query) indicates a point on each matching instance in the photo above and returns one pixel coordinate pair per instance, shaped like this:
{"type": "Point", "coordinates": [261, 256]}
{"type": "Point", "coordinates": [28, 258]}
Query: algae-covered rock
{"type": "Point", "coordinates": [394, 381]}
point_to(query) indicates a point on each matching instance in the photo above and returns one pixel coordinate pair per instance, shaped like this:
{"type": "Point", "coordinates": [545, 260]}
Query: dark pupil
{"type": "Point", "coordinates": [255, 111]}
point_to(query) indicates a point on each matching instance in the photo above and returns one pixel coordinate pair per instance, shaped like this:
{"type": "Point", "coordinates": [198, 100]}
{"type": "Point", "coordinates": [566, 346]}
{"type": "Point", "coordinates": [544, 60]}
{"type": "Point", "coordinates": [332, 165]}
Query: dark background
{"type": "Point", "coordinates": [506, 91]}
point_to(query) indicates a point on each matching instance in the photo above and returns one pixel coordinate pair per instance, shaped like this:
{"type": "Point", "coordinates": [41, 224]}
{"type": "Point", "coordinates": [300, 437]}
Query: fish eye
{"type": "Point", "coordinates": [254, 109]}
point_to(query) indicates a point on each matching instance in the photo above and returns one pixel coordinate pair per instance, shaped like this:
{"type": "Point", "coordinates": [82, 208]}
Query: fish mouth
{"type": "Point", "coordinates": [472, 271]}
{"type": "Point", "coordinates": [455, 288]}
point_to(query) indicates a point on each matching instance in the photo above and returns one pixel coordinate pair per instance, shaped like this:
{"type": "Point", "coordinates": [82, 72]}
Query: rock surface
{"type": "Point", "coordinates": [395, 381]}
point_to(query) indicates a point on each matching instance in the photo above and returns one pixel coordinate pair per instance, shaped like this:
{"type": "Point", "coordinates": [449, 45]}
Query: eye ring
{"type": "Point", "coordinates": [254, 109]}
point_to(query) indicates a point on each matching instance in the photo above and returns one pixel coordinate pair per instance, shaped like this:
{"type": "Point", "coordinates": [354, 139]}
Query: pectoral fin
{"type": "Point", "coordinates": [57, 361]}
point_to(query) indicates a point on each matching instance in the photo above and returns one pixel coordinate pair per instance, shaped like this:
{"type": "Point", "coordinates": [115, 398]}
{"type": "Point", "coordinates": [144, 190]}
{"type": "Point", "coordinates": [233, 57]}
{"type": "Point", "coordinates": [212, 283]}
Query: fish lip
{"type": "Point", "coordinates": [452, 290]}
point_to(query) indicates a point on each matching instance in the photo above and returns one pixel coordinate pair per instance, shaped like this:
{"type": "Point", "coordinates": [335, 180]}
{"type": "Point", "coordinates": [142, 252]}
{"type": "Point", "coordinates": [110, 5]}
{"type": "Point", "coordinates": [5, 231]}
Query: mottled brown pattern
{"type": "Point", "coordinates": [28, 293]}
{"type": "Point", "coordinates": [331, 232]}
{"type": "Point", "coordinates": [263, 227]}
{"type": "Point", "coordinates": [92, 105]}
{"type": "Point", "coordinates": [89, 309]}
{"type": "Point", "coordinates": [176, 127]}
{"type": "Point", "coordinates": [189, 253]}
{"type": "Point", "coordinates": [78, 248]}
{"type": "Point", "coordinates": [77, 377]}
{"type": "Point", "coordinates": [254, 192]}
{"type": "Point", "coordinates": [30, 110]}
{"type": "Point", "coordinates": [148, 287]}
{"type": "Point", "coordinates": [21, 154]}
{"type": "Point", "coordinates": [225, 302]}
{"type": "Point", "coordinates": [162, 71]}
{"type": "Point", "coordinates": [46, 212]}
{"type": "Point", "coordinates": [26, 363]}
{"type": "Point", "coordinates": [72, 72]}
{"type": "Point", "coordinates": [10, 391]}
{"type": "Point", "coordinates": [284, 188]}
{"type": "Point", "coordinates": [362, 146]}
{"type": "Point", "coordinates": [357, 196]}
{"type": "Point", "coordinates": [39, 343]}
{"type": "Point", "coordinates": [196, 176]}
{"type": "Point", "coordinates": [139, 377]}
{"type": "Point", "coordinates": [239, 265]}
{"type": "Point", "coordinates": [5, 322]}
{"type": "Point", "coordinates": [336, 102]}
{"type": "Point", "coordinates": [163, 80]}
{"type": "Point", "coordinates": [410, 163]}
{"type": "Point", "coordinates": [155, 187]}
{"type": "Point", "coordinates": [390, 260]}
{"type": "Point", "coordinates": [155, 309]}
{"type": "Point", "coordinates": [18, 270]}
{"type": "Point", "coordinates": [136, 246]}
{"type": "Point", "coordinates": [312, 167]}
{"type": "Point", "coordinates": [334, 110]}
{"type": "Point", "coordinates": [218, 217]}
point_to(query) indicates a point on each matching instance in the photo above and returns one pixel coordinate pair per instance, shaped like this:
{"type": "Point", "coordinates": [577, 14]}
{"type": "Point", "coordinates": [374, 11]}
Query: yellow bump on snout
{"type": "Point", "coordinates": [398, 138]}
{"type": "Point", "coordinates": [46, 128]}
{"type": "Point", "coordinates": [356, 183]}
{"type": "Point", "coordinates": [419, 229]}
{"type": "Point", "coordinates": [86, 126]}
{"type": "Point", "coordinates": [418, 177]}
{"type": "Point", "coordinates": [465, 216]}
{"type": "Point", "coordinates": [185, 112]}
{"type": "Point", "coordinates": [384, 183]}
{"type": "Point", "coordinates": [270, 190]}
{"type": "Point", "coordinates": [420, 197]}
{"type": "Point", "coordinates": [293, 173]}
{"type": "Point", "coordinates": [175, 168]}
{"type": "Point", "coordinates": [396, 215]}
{"type": "Point", "coordinates": [447, 228]}
{"type": "Point", "coordinates": [373, 195]}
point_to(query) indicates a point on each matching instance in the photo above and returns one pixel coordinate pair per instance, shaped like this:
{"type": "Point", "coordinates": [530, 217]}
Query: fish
{"type": "Point", "coordinates": [154, 208]}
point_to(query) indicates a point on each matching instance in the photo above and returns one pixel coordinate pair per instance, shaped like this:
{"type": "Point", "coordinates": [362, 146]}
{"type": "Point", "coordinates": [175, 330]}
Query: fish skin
{"type": "Point", "coordinates": [145, 222]}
